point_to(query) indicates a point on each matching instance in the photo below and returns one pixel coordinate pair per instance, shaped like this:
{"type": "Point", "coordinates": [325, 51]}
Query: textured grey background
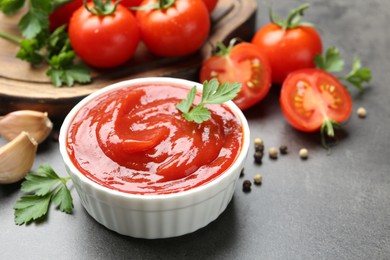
{"type": "Point", "coordinates": [333, 206]}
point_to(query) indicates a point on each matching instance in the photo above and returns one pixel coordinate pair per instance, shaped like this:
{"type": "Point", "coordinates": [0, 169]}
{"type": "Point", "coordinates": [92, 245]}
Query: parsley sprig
{"type": "Point", "coordinates": [38, 45]}
{"type": "Point", "coordinates": [42, 187]}
{"type": "Point", "coordinates": [213, 93]}
{"type": "Point", "coordinates": [333, 62]}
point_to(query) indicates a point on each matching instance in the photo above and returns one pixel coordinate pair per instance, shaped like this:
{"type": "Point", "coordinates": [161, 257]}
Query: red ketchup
{"type": "Point", "coordinates": [135, 140]}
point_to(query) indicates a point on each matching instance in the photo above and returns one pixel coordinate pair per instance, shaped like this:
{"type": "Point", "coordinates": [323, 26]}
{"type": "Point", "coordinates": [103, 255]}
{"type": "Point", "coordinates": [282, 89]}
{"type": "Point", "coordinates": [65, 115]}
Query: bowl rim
{"type": "Point", "coordinates": [149, 80]}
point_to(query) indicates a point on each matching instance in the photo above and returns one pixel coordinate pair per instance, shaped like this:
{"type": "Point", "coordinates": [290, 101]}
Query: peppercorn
{"type": "Point", "coordinates": [258, 155]}
{"type": "Point", "coordinates": [303, 153]}
{"type": "Point", "coordinates": [273, 153]}
{"type": "Point", "coordinates": [259, 144]}
{"type": "Point", "coordinates": [283, 149]}
{"type": "Point", "coordinates": [246, 186]}
{"type": "Point", "coordinates": [361, 112]}
{"type": "Point", "coordinates": [258, 179]}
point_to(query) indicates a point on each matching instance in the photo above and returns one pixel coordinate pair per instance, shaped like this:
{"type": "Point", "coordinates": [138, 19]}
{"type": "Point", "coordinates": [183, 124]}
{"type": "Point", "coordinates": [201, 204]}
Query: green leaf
{"type": "Point", "coordinates": [63, 199]}
{"type": "Point", "coordinates": [40, 185]}
{"type": "Point", "coordinates": [33, 22]}
{"type": "Point", "coordinates": [185, 105]}
{"type": "Point", "coordinates": [31, 207]}
{"type": "Point", "coordinates": [209, 88]}
{"type": "Point", "coordinates": [43, 187]}
{"type": "Point", "coordinates": [212, 93]}
{"type": "Point", "coordinates": [358, 75]}
{"type": "Point", "coordinates": [73, 73]}
{"type": "Point", "coordinates": [10, 7]}
{"type": "Point", "coordinates": [224, 93]}
{"type": "Point", "coordinates": [30, 51]}
{"type": "Point", "coordinates": [332, 62]}
{"type": "Point", "coordinates": [198, 114]}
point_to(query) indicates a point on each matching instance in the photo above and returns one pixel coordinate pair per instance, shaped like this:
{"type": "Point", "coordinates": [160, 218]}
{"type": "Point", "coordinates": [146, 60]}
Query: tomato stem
{"type": "Point", "coordinates": [327, 130]}
{"type": "Point", "coordinates": [11, 37]}
{"type": "Point", "coordinates": [293, 20]}
{"type": "Point", "coordinates": [101, 7]}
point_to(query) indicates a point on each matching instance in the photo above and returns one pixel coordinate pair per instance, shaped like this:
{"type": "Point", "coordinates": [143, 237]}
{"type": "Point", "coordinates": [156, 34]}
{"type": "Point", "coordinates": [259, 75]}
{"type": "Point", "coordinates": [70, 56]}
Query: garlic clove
{"type": "Point", "coordinates": [37, 124]}
{"type": "Point", "coordinates": [17, 158]}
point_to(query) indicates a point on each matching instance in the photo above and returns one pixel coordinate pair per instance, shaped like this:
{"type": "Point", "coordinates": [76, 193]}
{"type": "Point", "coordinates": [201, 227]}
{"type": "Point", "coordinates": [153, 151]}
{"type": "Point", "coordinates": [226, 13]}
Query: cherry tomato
{"type": "Point", "coordinates": [63, 13]}
{"type": "Point", "coordinates": [104, 41]}
{"type": "Point", "coordinates": [210, 4]}
{"type": "Point", "coordinates": [289, 44]}
{"type": "Point", "coordinates": [310, 97]}
{"type": "Point", "coordinates": [243, 63]}
{"type": "Point", "coordinates": [178, 30]}
{"type": "Point", "coordinates": [130, 3]}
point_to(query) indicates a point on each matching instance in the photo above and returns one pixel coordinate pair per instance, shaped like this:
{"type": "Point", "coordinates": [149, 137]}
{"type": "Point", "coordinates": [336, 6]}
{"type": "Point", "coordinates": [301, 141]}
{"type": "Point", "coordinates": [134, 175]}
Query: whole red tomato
{"type": "Point", "coordinates": [243, 63]}
{"type": "Point", "coordinates": [175, 30]}
{"type": "Point", "coordinates": [130, 3]}
{"type": "Point", "coordinates": [289, 45]}
{"type": "Point", "coordinates": [62, 14]}
{"type": "Point", "coordinates": [312, 99]}
{"type": "Point", "coordinates": [210, 4]}
{"type": "Point", "coordinates": [104, 41]}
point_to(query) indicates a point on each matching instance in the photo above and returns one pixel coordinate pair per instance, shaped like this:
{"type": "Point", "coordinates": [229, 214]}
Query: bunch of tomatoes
{"type": "Point", "coordinates": [283, 53]}
{"type": "Point", "coordinates": [105, 33]}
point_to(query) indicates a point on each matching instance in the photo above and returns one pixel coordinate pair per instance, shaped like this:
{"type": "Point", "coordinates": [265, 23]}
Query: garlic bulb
{"type": "Point", "coordinates": [17, 158]}
{"type": "Point", "coordinates": [37, 124]}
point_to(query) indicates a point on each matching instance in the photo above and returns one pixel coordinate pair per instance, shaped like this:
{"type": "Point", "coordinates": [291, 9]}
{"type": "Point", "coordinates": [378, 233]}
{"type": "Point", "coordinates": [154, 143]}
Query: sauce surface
{"type": "Point", "coordinates": [136, 141]}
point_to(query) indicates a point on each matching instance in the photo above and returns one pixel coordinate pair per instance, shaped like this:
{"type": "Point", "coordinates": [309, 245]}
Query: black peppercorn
{"type": "Point", "coordinates": [283, 149]}
{"type": "Point", "coordinates": [246, 186]}
{"type": "Point", "coordinates": [258, 155]}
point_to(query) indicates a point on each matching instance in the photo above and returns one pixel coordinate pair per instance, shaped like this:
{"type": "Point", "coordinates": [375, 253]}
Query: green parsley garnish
{"type": "Point", "coordinates": [40, 46]}
{"type": "Point", "coordinates": [213, 93]}
{"type": "Point", "coordinates": [43, 187]}
{"type": "Point", "coordinates": [333, 62]}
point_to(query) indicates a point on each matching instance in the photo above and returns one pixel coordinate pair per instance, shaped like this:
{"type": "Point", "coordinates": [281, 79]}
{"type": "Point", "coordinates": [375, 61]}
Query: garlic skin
{"type": "Point", "coordinates": [37, 124]}
{"type": "Point", "coordinates": [17, 158]}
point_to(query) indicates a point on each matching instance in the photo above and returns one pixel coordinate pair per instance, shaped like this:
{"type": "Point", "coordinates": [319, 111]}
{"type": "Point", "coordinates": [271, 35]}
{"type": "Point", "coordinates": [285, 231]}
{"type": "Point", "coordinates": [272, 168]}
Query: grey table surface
{"type": "Point", "coordinates": [331, 206]}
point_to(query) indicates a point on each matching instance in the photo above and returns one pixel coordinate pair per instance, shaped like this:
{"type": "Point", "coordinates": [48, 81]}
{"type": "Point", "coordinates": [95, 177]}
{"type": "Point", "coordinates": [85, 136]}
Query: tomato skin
{"type": "Point", "coordinates": [130, 3]}
{"type": "Point", "coordinates": [177, 31]}
{"type": "Point", "coordinates": [310, 96]}
{"type": "Point", "coordinates": [210, 4]}
{"type": "Point", "coordinates": [244, 64]}
{"type": "Point", "coordinates": [104, 41]}
{"type": "Point", "coordinates": [288, 50]}
{"type": "Point", "coordinates": [62, 14]}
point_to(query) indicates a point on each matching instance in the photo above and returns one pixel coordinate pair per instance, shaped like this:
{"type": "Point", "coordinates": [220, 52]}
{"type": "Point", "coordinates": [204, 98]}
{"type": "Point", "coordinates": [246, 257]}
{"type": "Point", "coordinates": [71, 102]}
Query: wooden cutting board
{"type": "Point", "coordinates": [26, 87]}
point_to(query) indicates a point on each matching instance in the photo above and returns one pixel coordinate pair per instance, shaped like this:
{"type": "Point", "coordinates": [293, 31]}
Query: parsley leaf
{"type": "Point", "coordinates": [10, 7]}
{"type": "Point", "coordinates": [35, 20]}
{"type": "Point", "coordinates": [332, 62]}
{"type": "Point", "coordinates": [213, 93]}
{"type": "Point", "coordinates": [43, 187]}
{"type": "Point", "coordinates": [358, 75]}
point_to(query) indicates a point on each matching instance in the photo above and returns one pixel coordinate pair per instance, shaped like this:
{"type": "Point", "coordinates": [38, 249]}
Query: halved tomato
{"type": "Point", "coordinates": [313, 99]}
{"type": "Point", "coordinates": [243, 63]}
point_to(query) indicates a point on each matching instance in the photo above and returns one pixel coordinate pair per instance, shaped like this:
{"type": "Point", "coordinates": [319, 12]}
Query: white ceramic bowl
{"type": "Point", "coordinates": [155, 216]}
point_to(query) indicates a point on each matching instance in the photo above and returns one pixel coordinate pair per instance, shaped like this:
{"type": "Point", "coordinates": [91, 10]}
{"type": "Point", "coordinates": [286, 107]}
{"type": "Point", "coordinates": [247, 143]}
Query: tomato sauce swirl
{"type": "Point", "coordinates": [135, 140]}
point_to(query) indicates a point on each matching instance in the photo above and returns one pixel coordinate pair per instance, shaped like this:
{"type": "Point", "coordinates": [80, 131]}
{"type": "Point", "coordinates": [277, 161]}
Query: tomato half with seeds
{"type": "Point", "coordinates": [243, 63]}
{"type": "Point", "coordinates": [311, 98]}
